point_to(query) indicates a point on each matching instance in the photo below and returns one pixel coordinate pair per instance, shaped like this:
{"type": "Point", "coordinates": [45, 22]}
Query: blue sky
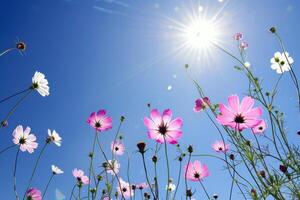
{"type": "Point", "coordinates": [118, 55]}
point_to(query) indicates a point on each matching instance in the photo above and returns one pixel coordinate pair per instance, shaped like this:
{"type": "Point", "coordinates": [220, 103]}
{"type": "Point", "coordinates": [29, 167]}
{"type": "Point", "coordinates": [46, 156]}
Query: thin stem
{"type": "Point", "coordinates": [128, 176]}
{"type": "Point", "coordinates": [204, 189]}
{"type": "Point", "coordinates": [72, 192]}
{"type": "Point", "coordinates": [6, 51]}
{"type": "Point", "coordinates": [168, 168]}
{"type": "Point", "coordinates": [15, 177]}
{"type": "Point", "coordinates": [35, 167]}
{"type": "Point", "coordinates": [7, 148]}
{"type": "Point", "coordinates": [91, 164]}
{"type": "Point", "coordinates": [51, 177]}
{"type": "Point", "coordinates": [13, 95]}
{"type": "Point", "coordinates": [232, 183]}
{"type": "Point", "coordinates": [146, 173]}
{"type": "Point", "coordinates": [115, 139]}
{"type": "Point", "coordinates": [185, 174]}
{"type": "Point", "coordinates": [178, 179]}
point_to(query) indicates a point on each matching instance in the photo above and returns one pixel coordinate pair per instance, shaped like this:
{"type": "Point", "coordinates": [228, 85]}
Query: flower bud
{"type": "Point", "coordinates": [231, 156]}
{"type": "Point", "coordinates": [21, 46]}
{"type": "Point", "coordinates": [262, 174]}
{"type": "Point", "coordinates": [283, 168]}
{"type": "Point", "coordinates": [215, 196]}
{"type": "Point", "coordinates": [272, 29]}
{"type": "Point", "coordinates": [141, 146]}
{"type": "Point", "coordinates": [189, 193]}
{"type": "Point", "coordinates": [154, 159]}
{"type": "Point", "coordinates": [122, 118]}
{"type": "Point", "coordinates": [4, 123]}
{"type": "Point", "coordinates": [190, 149]}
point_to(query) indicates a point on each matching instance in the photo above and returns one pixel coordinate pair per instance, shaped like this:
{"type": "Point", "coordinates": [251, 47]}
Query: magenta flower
{"type": "Point", "coordinates": [238, 36]}
{"type": "Point", "coordinates": [220, 146]}
{"type": "Point", "coordinates": [117, 147]}
{"type": "Point", "coordinates": [162, 127]}
{"type": "Point", "coordinates": [24, 139]}
{"type": "Point", "coordinates": [260, 128]}
{"type": "Point", "coordinates": [239, 116]}
{"type": "Point", "coordinates": [196, 171]}
{"type": "Point", "coordinates": [33, 194]}
{"type": "Point", "coordinates": [125, 189]}
{"type": "Point", "coordinates": [81, 178]}
{"type": "Point", "coordinates": [244, 45]}
{"type": "Point", "coordinates": [201, 104]}
{"type": "Point", "coordinates": [100, 121]}
{"type": "Point", "coordinates": [142, 186]}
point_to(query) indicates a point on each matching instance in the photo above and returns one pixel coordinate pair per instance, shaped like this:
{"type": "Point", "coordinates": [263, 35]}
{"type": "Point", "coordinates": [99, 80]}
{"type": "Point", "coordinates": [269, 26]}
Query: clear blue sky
{"type": "Point", "coordinates": [118, 56]}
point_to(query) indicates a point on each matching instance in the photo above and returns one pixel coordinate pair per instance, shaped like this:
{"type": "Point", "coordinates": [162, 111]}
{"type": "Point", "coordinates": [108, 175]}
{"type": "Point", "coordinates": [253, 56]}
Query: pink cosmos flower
{"type": "Point", "coordinates": [24, 139]}
{"type": "Point", "coordinates": [33, 194]}
{"type": "Point", "coordinates": [238, 36]}
{"type": "Point", "coordinates": [201, 104]}
{"type": "Point", "coordinates": [117, 147]}
{"type": "Point", "coordinates": [244, 45]}
{"type": "Point", "coordinates": [162, 127]}
{"type": "Point", "coordinates": [260, 128]}
{"type": "Point", "coordinates": [100, 121]}
{"type": "Point", "coordinates": [125, 189]}
{"type": "Point", "coordinates": [220, 146]}
{"type": "Point", "coordinates": [239, 116]}
{"type": "Point", "coordinates": [196, 171]}
{"type": "Point", "coordinates": [81, 178]}
{"type": "Point", "coordinates": [142, 186]}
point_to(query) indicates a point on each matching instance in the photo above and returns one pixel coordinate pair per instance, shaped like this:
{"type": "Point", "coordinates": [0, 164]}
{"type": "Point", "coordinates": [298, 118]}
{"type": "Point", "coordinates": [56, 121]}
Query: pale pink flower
{"type": "Point", "coordinates": [100, 121]}
{"type": "Point", "coordinates": [142, 186]}
{"type": "Point", "coordinates": [239, 116]}
{"type": "Point", "coordinates": [201, 104]}
{"type": "Point", "coordinates": [244, 45]}
{"type": "Point", "coordinates": [24, 139]}
{"type": "Point", "coordinates": [125, 189]}
{"type": "Point", "coordinates": [81, 178]}
{"type": "Point", "coordinates": [220, 146]}
{"type": "Point", "coordinates": [196, 171]}
{"type": "Point", "coordinates": [33, 194]}
{"type": "Point", "coordinates": [162, 127]}
{"type": "Point", "coordinates": [117, 147]}
{"type": "Point", "coordinates": [260, 128]}
{"type": "Point", "coordinates": [112, 167]}
{"type": "Point", "coordinates": [238, 36]}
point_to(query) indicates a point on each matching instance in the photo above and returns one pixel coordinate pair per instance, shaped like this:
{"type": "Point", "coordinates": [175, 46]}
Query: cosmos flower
{"type": "Point", "coordinates": [125, 189]}
{"type": "Point", "coordinates": [56, 170]}
{"type": "Point", "coordinates": [100, 121]}
{"type": "Point", "coordinates": [280, 63]}
{"type": "Point", "coordinates": [196, 171]}
{"type": "Point", "coordinates": [24, 139]}
{"type": "Point", "coordinates": [239, 116]}
{"type": "Point", "coordinates": [81, 178]}
{"type": "Point", "coordinates": [54, 137]}
{"type": "Point", "coordinates": [33, 194]}
{"type": "Point", "coordinates": [260, 128]}
{"type": "Point", "coordinates": [162, 127]}
{"type": "Point", "coordinates": [117, 147]}
{"type": "Point", "coordinates": [142, 186]}
{"type": "Point", "coordinates": [220, 146]}
{"type": "Point", "coordinates": [247, 64]}
{"type": "Point", "coordinates": [40, 84]}
{"type": "Point", "coordinates": [201, 104]}
{"type": "Point", "coordinates": [244, 45]}
{"type": "Point", "coordinates": [238, 36]}
{"type": "Point", "coordinates": [171, 187]}
{"type": "Point", "coordinates": [112, 167]}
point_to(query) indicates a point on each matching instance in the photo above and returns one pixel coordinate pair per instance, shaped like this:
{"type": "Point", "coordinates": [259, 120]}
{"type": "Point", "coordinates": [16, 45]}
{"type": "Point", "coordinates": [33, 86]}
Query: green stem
{"type": "Point", "coordinates": [185, 174]}
{"type": "Point", "coordinates": [168, 168]}
{"type": "Point", "coordinates": [13, 95]}
{"type": "Point", "coordinates": [146, 173]}
{"type": "Point", "coordinates": [6, 51]}
{"type": "Point", "coordinates": [91, 164]}
{"type": "Point", "coordinates": [7, 148]}
{"type": "Point", "coordinates": [204, 189]}
{"type": "Point", "coordinates": [178, 179]}
{"type": "Point", "coordinates": [51, 177]}
{"type": "Point", "coordinates": [72, 192]}
{"type": "Point", "coordinates": [15, 173]}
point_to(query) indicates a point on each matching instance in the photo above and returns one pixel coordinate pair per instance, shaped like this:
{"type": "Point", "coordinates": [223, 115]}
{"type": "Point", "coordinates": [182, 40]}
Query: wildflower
{"type": "Point", "coordinates": [117, 147]}
{"type": "Point", "coordinates": [215, 196]}
{"type": "Point", "coordinates": [220, 146]}
{"type": "Point", "coordinates": [81, 178]}
{"type": "Point", "coordinates": [280, 62]}
{"type": "Point", "coordinates": [141, 146]}
{"type": "Point", "coordinates": [112, 167]}
{"type": "Point", "coordinates": [142, 186]}
{"type": "Point", "coordinates": [238, 36]}
{"type": "Point", "coordinates": [33, 194]}
{"type": "Point", "coordinates": [239, 116]}
{"type": "Point", "coordinates": [100, 121]}
{"type": "Point", "coordinates": [272, 29]}
{"type": "Point", "coordinates": [125, 189]}
{"type": "Point", "coordinates": [244, 45]}
{"type": "Point", "coordinates": [201, 104]}
{"type": "Point", "coordinates": [171, 187]}
{"type": "Point", "coordinates": [24, 139]}
{"type": "Point", "coordinates": [54, 137]}
{"type": "Point", "coordinates": [283, 168]}
{"type": "Point", "coordinates": [196, 171]}
{"type": "Point", "coordinates": [247, 64]}
{"type": "Point", "coordinates": [40, 84]}
{"type": "Point", "coordinates": [56, 170]}
{"type": "Point", "coordinates": [260, 128]}
{"type": "Point", "coordinates": [162, 127]}
{"type": "Point", "coordinates": [231, 156]}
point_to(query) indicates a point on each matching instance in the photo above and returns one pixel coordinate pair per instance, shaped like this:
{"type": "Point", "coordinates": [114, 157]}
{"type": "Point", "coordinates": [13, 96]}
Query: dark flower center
{"type": "Point", "coordinates": [276, 59]}
{"type": "Point", "coordinates": [22, 141]}
{"type": "Point", "coordinates": [117, 148]}
{"type": "Point", "coordinates": [124, 189]}
{"type": "Point", "coordinates": [35, 85]}
{"type": "Point", "coordinates": [282, 63]}
{"type": "Point", "coordinates": [260, 128]}
{"type": "Point", "coordinates": [239, 119]}
{"type": "Point", "coordinates": [162, 129]}
{"type": "Point", "coordinates": [97, 125]}
{"type": "Point", "coordinates": [29, 198]}
{"type": "Point", "coordinates": [220, 148]}
{"type": "Point", "coordinates": [197, 175]}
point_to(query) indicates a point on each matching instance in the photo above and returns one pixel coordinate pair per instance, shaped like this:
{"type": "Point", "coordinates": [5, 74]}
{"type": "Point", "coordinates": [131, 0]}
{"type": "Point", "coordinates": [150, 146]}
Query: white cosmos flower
{"type": "Point", "coordinates": [40, 84]}
{"type": "Point", "coordinates": [54, 137]}
{"type": "Point", "coordinates": [280, 62]}
{"type": "Point", "coordinates": [247, 64]}
{"type": "Point", "coordinates": [113, 167]}
{"type": "Point", "coordinates": [171, 187]}
{"type": "Point", "coordinates": [56, 170]}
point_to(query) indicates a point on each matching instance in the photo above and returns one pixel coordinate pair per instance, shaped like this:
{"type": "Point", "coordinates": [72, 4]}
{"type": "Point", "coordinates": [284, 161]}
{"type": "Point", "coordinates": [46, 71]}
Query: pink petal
{"type": "Point", "coordinates": [247, 104]}
{"type": "Point", "coordinates": [167, 116]}
{"type": "Point", "coordinates": [155, 116]}
{"type": "Point", "coordinates": [234, 103]}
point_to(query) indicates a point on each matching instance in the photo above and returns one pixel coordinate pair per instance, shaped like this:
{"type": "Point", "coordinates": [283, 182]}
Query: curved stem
{"type": "Point", "coordinates": [15, 177]}
{"type": "Point", "coordinates": [91, 164]}
{"type": "Point", "coordinates": [72, 192]}
{"type": "Point", "coordinates": [185, 174]}
{"type": "Point", "coordinates": [7, 148]}
{"type": "Point", "coordinates": [146, 173]}
{"type": "Point", "coordinates": [204, 189]}
{"type": "Point", "coordinates": [6, 51]}
{"type": "Point", "coordinates": [168, 168]}
{"type": "Point", "coordinates": [178, 179]}
{"type": "Point", "coordinates": [13, 95]}
{"type": "Point", "coordinates": [51, 177]}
